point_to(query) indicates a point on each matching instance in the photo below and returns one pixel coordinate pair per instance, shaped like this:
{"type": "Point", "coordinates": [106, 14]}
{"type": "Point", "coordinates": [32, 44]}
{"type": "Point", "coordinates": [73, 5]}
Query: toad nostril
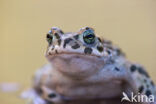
{"type": "Point", "coordinates": [52, 95]}
{"type": "Point", "coordinates": [57, 35]}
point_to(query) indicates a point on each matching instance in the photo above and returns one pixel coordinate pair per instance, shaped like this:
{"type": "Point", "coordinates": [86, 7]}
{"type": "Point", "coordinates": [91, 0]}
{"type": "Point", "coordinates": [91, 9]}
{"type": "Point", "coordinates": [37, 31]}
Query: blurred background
{"type": "Point", "coordinates": [131, 24]}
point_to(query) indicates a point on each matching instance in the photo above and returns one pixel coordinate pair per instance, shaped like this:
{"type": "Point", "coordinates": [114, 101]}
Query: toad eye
{"type": "Point", "coordinates": [49, 38]}
{"type": "Point", "coordinates": [89, 36]}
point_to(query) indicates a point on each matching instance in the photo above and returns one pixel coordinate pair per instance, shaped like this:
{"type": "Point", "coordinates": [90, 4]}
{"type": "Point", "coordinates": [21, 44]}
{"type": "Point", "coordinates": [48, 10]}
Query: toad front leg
{"type": "Point", "coordinates": [51, 96]}
{"type": "Point", "coordinates": [42, 92]}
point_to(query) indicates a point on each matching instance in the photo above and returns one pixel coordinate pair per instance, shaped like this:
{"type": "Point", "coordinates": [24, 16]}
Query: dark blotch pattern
{"type": "Point", "coordinates": [56, 51]}
{"type": "Point", "coordinates": [49, 38]}
{"type": "Point", "coordinates": [133, 68]}
{"type": "Point", "coordinates": [142, 71]}
{"type": "Point", "coordinates": [59, 42]}
{"type": "Point", "coordinates": [76, 46]}
{"type": "Point", "coordinates": [52, 95]}
{"type": "Point", "coordinates": [88, 50]}
{"type": "Point", "coordinates": [148, 93]}
{"type": "Point", "coordinates": [117, 69]}
{"type": "Point", "coordinates": [76, 37]}
{"type": "Point", "coordinates": [50, 53]}
{"type": "Point", "coordinates": [66, 41]}
{"type": "Point", "coordinates": [108, 52]}
{"type": "Point", "coordinates": [119, 52]}
{"type": "Point", "coordinates": [99, 39]}
{"type": "Point", "coordinates": [141, 89]}
{"type": "Point", "coordinates": [99, 48]}
{"type": "Point", "coordinates": [61, 32]}
{"type": "Point", "coordinates": [57, 35]}
{"type": "Point", "coordinates": [39, 91]}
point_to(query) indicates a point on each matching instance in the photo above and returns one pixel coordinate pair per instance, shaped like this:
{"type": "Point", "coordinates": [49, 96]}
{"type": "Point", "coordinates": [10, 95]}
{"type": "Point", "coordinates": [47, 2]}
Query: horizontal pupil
{"type": "Point", "coordinates": [90, 36]}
